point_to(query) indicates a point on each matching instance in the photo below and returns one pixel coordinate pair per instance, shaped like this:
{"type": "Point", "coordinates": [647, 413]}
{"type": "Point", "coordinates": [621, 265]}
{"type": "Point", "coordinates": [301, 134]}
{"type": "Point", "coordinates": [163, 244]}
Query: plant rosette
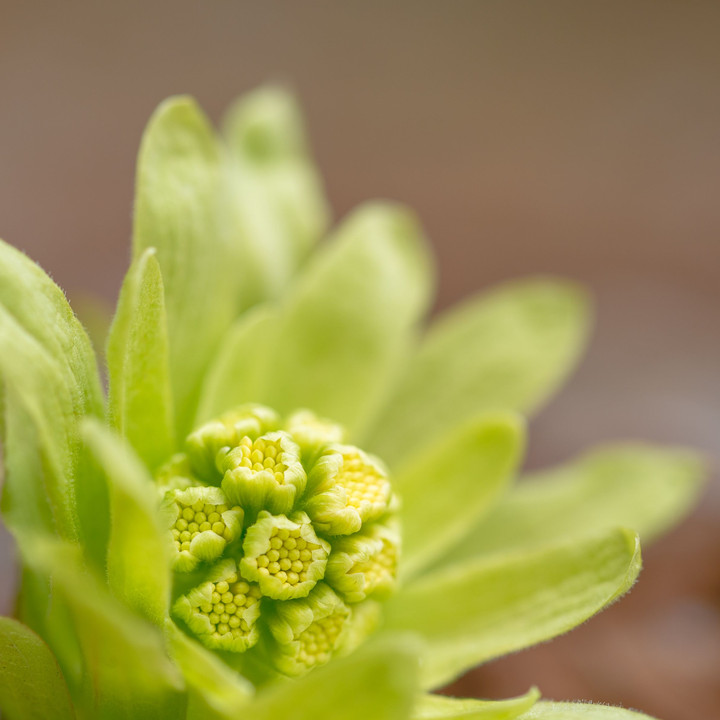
{"type": "Point", "coordinates": [294, 503]}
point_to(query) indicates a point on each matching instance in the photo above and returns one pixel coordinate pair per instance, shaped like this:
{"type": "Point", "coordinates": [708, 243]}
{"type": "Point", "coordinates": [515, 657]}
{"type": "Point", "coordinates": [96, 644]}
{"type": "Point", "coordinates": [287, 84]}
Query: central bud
{"type": "Point", "coordinates": [284, 537]}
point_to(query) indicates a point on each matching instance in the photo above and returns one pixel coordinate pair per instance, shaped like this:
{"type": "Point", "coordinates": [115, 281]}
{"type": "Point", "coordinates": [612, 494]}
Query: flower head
{"type": "Point", "coordinates": [271, 520]}
{"type": "Point", "coordinates": [284, 469]}
{"type": "Point", "coordinates": [203, 523]}
{"type": "Point", "coordinates": [222, 611]}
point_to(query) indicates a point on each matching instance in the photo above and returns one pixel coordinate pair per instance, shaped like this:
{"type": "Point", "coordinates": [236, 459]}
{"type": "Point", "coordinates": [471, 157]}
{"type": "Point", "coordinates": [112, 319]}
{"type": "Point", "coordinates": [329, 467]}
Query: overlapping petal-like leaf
{"type": "Point", "coordinates": [180, 210]}
{"type": "Point", "coordinates": [125, 671]}
{"type": "Point", "coordinates": [344, 329]}
{"type": "Point", "coordinates": [237, 374]}
{"type": "Point", "coordinates": [39, 306]}
{"type": "Point", "coordinates": [277, 204]}
{"type": "Point", "coordinates": [50, 379]}
{"type": "Point", "coordinates": [507, 349]}
{"type": "Point", "coordinates": [580, 711]}
{"type": "Point", "coordinates": [140, 403]}
{"type": "Point", "coordinates": [31, 684]}
{"type": "Point", "coordinates": [215, 691]}
{"type": "Point", "coordinates": [138, 558]}
{"type": "Point", "coordinates": [39, 437]}
{"type": "Point", "coordinates": [473, 612]}
{"type": "Point", "coordinates": [230, 226]}
{"type": "Point", "coordinates": [475, 464]}
{"type": "Point", "coordinates": [606, 487]}
{"type": "Point", "coordinates": [439, 706]}
{"type": "Point", "coordinates": [378, 682]}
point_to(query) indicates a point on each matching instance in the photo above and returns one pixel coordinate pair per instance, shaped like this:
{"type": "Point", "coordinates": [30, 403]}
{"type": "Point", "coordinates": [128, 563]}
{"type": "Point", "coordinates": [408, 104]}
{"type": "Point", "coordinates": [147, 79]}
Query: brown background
{"type": "Point", "coordinates": [574, 138]}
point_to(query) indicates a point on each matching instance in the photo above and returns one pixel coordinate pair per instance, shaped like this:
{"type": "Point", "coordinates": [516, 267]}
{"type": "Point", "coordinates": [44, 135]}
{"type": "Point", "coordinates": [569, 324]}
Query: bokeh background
{"type": "Point", "coordinates": [580, 139]}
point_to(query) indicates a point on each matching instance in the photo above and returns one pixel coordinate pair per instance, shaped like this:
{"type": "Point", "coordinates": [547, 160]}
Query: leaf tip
{"type": "Point", "coordinates": [631, 540]}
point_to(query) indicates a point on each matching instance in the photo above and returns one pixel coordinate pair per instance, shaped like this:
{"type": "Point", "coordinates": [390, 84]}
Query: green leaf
{"type": "Point", "coordinates": [139, 549]}
{"type": "Point", "coordinates": [39, 306]}
{"type": "Point", "coordinates": [31, 684]}
{"type": "Point", "coordinates": [126, 673]}
{"type": "Point", "coordinates": [237, 373]}
{"type": "Point", "coordinates": [580, 711]}
{"type": "Point", "coordinates": [637, 486]}
{"type": "Point", "coordinates": [439, 706]}
{"type": "Point", "coordinates": [348, 323]}
{"type": "Point", "coordinates": [43, 610]}
{"type": "Point", "coordinates": [507, 349]}
{"type": "Point", "coordinates": [26, 486]}
{"type": "Point", "coordinates": [469, 613]}
{"type": "Point", "coordinates": [50, 375]}
{"type": "Point", "coordinates": [215, 690]}
{"type": "Point", "coordinates": [95, 313]}
{"type": "Point", "coordinates": [450, 485]}
{"type": "Point", "coordinates": [42, 433]}
{"type": "Point", "coordinates": [137, 352]}
{"type": "Point", "coordinates": [180, 209]}
{"type": "Point", "coordinates": [279, 208]}
{"type": "Point", "coordinates": [377, 682]}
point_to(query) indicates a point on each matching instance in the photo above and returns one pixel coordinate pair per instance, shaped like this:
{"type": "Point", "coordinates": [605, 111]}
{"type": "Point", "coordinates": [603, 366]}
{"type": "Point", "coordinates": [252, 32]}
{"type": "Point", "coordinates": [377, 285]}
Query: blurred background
{"type": "Point", "coordinates": [580, 139]}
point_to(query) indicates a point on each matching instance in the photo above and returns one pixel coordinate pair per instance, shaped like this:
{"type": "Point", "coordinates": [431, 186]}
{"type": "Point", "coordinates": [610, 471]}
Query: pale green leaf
{"type": "Point", "coordinates": [126, 673]}
{"type": "Point", "coordinates": [237, 373]}
{"type": "Point", "coordinates": [278, 206]}
{"type": "Point", "coordinates": [31, 684]}
{"type": "Point", "coordinates": [139, 549]}
{"type": "Point", "coordinates": [215, 690]}
{"type": "Point", "coordinates": [580, 711]}
{"type": "Point", "coordinates": [40, 308]}
{"type": "Point", "coordinates": [471, 612]}
{"type": "Point", "coordinates": [95, 312]}
{"type": "Point", "coordinates": [26, 478]}
{"type": "Point", "coordinates": [50, 375]}
{"type": "Point", "coordinates": [379, 682]}
{"type": "Point", "coordinates": [347, 325]}
{"type": "Point", "coordinates": [450, 485]}
{"type": "Point", "coordinates": [34, 457]}
{"type": "Point", "coordinates": [43, 610]}
{"type": "Point", "coordinates": [439, 706]}
{"type": "Point", "coordinates": [507, 349]}
{"type": "Point", "coordinates": [140, 402]}
{"type": "Point", "coordinates": [42, 433]}
{"type": "Point", "coordinates": [637, 486]}
{"type": "Point", "coordinates": [180, 209]}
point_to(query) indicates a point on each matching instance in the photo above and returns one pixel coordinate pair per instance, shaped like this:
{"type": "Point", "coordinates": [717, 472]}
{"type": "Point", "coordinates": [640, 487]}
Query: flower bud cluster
{"type": "Point", "coordinates": [284, 537]}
